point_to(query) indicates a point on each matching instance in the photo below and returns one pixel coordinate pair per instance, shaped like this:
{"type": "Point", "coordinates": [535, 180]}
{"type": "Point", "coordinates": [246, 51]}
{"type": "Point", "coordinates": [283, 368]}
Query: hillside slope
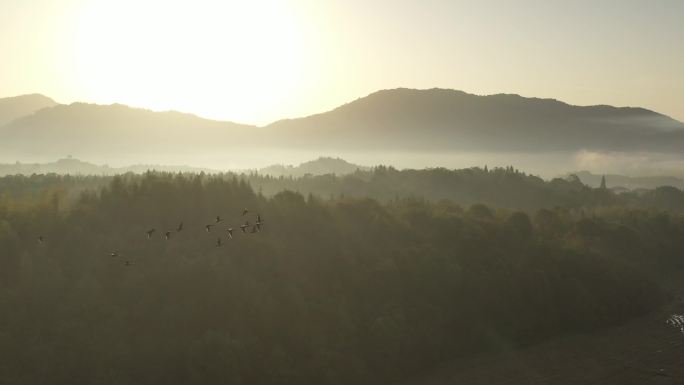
{"type": "Point", "coordinates": [398, 122]}
{"type": "Point", "coordinates": [447, 120]}
{"type": "Point", "coordinates": [116, 131]}
{"type": "Point", "coordinates": [18, 106]}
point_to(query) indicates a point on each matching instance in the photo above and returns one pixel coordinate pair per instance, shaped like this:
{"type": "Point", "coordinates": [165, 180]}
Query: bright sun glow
{"type": "Point", "coordinates": [213, 58]}
{"type": "Point", "coordinates": [256, 61]}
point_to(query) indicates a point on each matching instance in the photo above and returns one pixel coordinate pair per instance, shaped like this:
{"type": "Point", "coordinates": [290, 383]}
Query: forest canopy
{"type": "Point", "coordinates": [359, 279]}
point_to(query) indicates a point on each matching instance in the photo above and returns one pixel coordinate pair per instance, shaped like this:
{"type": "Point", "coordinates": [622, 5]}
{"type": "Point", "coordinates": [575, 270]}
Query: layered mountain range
{"type": "Point", "coordinates": [407, 120]}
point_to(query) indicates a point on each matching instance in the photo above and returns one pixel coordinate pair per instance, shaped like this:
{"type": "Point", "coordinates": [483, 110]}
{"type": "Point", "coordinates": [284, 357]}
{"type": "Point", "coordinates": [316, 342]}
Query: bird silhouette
{"type": "Point", "coordinates": [259, 222]}
{"type": "Point", "coordinates": [677, 320]}
{"type": "Point", "coordinates": [244, 227]}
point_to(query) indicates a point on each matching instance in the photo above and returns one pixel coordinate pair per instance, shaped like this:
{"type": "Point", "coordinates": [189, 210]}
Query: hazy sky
{"type": "Point", "coordinates": [261, 60]}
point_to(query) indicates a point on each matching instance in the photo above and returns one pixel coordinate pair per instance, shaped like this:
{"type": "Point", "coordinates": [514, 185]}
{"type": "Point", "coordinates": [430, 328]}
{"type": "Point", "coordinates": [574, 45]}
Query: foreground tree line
{"type": "Point", "coordinates": [342, 290]}
{"type": "Point", "coordinates": [497, 187]}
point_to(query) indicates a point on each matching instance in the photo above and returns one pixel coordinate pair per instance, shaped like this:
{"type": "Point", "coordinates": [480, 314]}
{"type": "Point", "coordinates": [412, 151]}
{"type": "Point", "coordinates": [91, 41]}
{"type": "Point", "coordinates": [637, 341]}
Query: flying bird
{"type": "Point", "coordinates": [113, 254]}
{"type": "Point", "coordinates": [150, 232]}
{"type": "Point", "coordinates": [218, 219]}
{"type": "Point", "coordinates": [230, 232]}
{"type": "Point", "coordinates": [208, 227]}
{"type": "Point", "coordinates": [244, 212]}
{"type": "Point", "coordinates": [180, 227]}
{"type": "Point", "coordinates": [259, 222]}
{"type": "Point", "coordinates": [167, 235]}
{"type": "Point", "coordinates": [244, 227]}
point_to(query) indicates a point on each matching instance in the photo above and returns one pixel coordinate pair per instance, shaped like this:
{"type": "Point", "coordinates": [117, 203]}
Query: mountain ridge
{"type": "Point", "coordinates": [463, 122]}
{"type": "Point", "coordinates": [90, 130]}
{"type": "Point", "coordinates": [372, 94]}
{"type": "Point", "coordinates": [515, 96]}
{"type": "Point", "coordinates": [387, 121]}
{"type": "Point", "coordinates": [15, 107]}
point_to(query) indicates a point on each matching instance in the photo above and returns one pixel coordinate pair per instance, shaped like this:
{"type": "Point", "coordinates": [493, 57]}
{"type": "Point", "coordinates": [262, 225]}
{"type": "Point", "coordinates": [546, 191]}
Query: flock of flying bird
{"type": "Point", "coordinates": [676, 320]}
{"type": "Point", "coordinates": [255, 228]}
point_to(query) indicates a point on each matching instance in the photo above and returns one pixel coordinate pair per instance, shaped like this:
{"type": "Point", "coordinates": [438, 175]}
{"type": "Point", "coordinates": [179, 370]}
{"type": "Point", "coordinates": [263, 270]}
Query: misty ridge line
{"type": "Point", "coordinates": [73, 166]}
{"type": "Point", "coordinates": [324, 168]}
{"type": "Point", "coordinates": [415, 128]}
{"type": "Point", "coordinates": [52, 103]}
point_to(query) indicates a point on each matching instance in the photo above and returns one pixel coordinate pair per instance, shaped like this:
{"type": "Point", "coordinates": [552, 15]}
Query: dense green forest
{"type": "Point", "coordinates": [362, 279]}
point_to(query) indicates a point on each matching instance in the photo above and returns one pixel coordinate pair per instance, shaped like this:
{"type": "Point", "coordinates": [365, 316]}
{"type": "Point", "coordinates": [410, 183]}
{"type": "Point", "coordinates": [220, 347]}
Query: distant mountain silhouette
{"type": "Point", "coordinates": [399, 120]}
{"type": "Point", "coordinates": [320, 166]}
{"type": "Point", "coordinates": [92, 131]}
{"type": "Point", "coordinates": [449, 120]}
{"type": "Point", "coordinates": [630, 182]}
{"type": "Point", "coordinates": [74, 166]}
{"type": "Point", "coordinates": [18, 106]}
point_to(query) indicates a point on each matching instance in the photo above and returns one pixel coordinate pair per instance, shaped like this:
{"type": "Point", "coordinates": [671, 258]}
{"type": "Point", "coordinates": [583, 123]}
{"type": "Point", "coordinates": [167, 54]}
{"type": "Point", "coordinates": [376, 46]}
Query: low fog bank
{"type": "Point", "coordinates": [278, 162]}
